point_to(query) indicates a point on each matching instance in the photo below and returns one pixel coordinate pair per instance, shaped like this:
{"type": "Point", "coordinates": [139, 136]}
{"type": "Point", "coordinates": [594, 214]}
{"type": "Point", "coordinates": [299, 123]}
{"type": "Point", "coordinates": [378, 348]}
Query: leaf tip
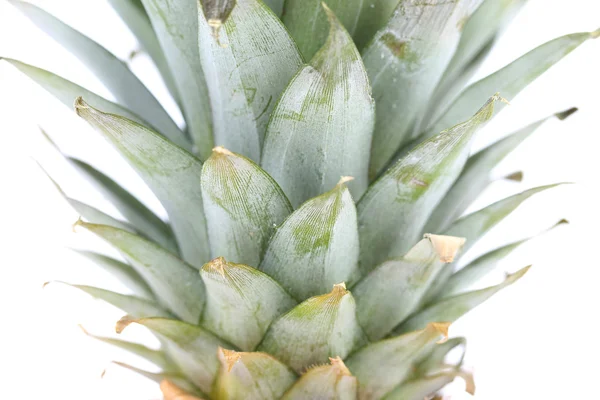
{"type": "Point", "coordinates": [344, 180]}
{"type": "Point", "coordinates": [339, 289]}
{"type": "Point", "coordinates": [123, 323]}
{"type": "Point", "coordinates": [217, 265]}
{"type": "Point", "coordinates": [446, 247]}
{"type": "Point", "coordinates": [595, 33]}
{"type": "Point", "coordinates": [339, 367]}
{"type": "Point", "coordinates": [566, 114]}
{"type": "Point", "coordinates": [80, 104]}
{"type": "Point", "coordinates": [222, 151]}
{"type": "Point", "coordinates": [515, 176]}
{"type": "Point", "coordinates": [440, 328]}
{"type": "Point", "coordinates": [228, 358]}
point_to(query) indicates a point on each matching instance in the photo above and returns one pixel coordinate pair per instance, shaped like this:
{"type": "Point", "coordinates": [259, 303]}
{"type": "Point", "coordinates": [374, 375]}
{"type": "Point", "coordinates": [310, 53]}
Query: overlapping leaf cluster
{"type": "Point", "coordinates": [310, 254]}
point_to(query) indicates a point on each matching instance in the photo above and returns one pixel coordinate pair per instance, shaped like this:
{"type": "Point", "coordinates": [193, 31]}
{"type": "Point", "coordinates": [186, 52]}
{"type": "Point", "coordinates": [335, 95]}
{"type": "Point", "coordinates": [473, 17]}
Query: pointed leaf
{"type": "Point", "coordinates": [321, 327]}
{"type": "Point", "coordinates": [241, 302]}
{"type": "Point", "coordinates": [191, 347]}
{"type": "Point", "coordinates": [435, 361]}
{"type": "Point", "coordinates": [248, 63]}
{"type": "Point", "coordinates": [316, 246]}
{"type": "Point", "coordinates": [394, 210]}
{"type": "Point", "coordinates": [322, 126]}
{"type": "Point", "coordinates": [123, 272]}
{"type": "Point", "coordinates": [420, 389]}
{"type": "Point", "coordinates": [176, 25]}
{"type": "Point", "coordinates": [176, 284]}
{"type": "Point", "coordinates": [134, 16]}
{"type": "Point", "coordinates": [251, 376]}
{"type": "Point", "coordinates": [243, 205]}
{"type": "Point", "coordinates": [172, 173]}
{"type": "Point", "coordinates": [476, 176]}
{"type": "Point", "coordinates": [405, 60]}
{"type": "Point", "coordinates": [509, 80]}
{"type": "Point", "coordinates": [114, 74]}
{"type": "Point", "coordinates": [381, 366]}
{"type": "Point", "coordinates": [326, 382]}
{"type": "Point", "coordinates": [455, 307]}
{"type": "Point", "coordinates": [393, 290]}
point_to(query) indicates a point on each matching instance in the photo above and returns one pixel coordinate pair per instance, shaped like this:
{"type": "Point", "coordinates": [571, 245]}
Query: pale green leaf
{"type": "Point", "coordinates": [320, 327]}
{"type": "Point", "coordinates": [191, 347]}
{"type": "Point", "coordinates": [393, 290]}
{"type": "Point", "coordinates": [322, 126]}
{"type": "Point", "coordinates": [509, 80]}
{"type": "Point", "coordinates": [176, 284]}
{"type": "Point", "coordinates": [251, 376]}
{"type": "Point", "coordinates": [243, 206]}
{"type": "Point", "coordinates": [123, 272]}
{"type": "Point", "coordinates": [114, 74]}
{"type": "Point", "coordinates": [476, 176]}
{"type": "Point", "coordinates": [316, 246]}
{"type": "Point", "coordinates": [420, 389]}
{"type": "Point", "coordinates": [134, 15]}
{"type": "Point", "coordinates": [241, 302]}
{"type": "Point", "coordinates": [436, 362]}
{"type": "Point", "coordinates": [248, 63]}
{"type": "Point", "coordinates": [326, 382]}
{"type": "Point", "coordinates": [404, 61]}
{"type": "Point", "coordinates": [176, 25]}
{"type": "Point", "coordinates": [455, 307]}
{"type": "Point", "coordinates": [382, 365]}
{"type": "Point", "coordinates": [140, 216]}
{"type": "Point", "coordinates": [394, 210]}
{"type": "Point", "coordinates": [172, 173]}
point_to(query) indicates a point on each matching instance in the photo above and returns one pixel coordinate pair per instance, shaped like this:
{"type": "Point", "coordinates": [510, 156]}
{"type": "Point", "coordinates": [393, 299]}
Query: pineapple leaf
{"type": "Point", "coordinates": [176, 25]}
{"type": "Point", "coordinates": [171, 391]}
{"type": "Point", "coordinates": [123, 272]}
{"type": "Point", "coordinates": [332, 381]}
{"type": "Point", "coordinates": [241, 302]}
{"type": "Point", "coordinates": [251, 376]}
{"type": "Point", "coordinates": [248, 63]}
{"type": "Point", "coordinates": [322, 126]}
{"type": "Point", "coordinates": [176, 284]}
{"type": "Point", "coordinates": [509, 80]}
{"type": "Point", "coordinates": [404, 61]}
{"type": "Point", "coordinates": [455, 307]}
{"type": "Point", "coordinates": [316, 246]}
{"type": "Point", "coordinates": [307, 22]}
{"type": "Point", "coordinates": [172, 173]}
{"type": "Point", "coordinates": [420, 389]}
{"type": "Point", "coordinates": [134, 15]}
{"type": "Point", "coordinates": [243, 205]}
{"type": "Point", "coordinates": [394, 210]}
{"type": "Point", "coordinates": [320, 327]}
{"type": "Point", "coordinates": [191, 347]}
{"type": "Point", "coordinates": [476, 175]}
{"type": "Point", "coordinates": [382, 365]}
{"type": "Point", "coordinates": [135, 306]}
{"type": "Point", "coordinates": [393, 290]}
{"type": "Point", "coordinates": [436, 360]}
{"type": "Point", "coordinates": [140, 216]}
{"type": "Point", "coordinates": [114, 74]}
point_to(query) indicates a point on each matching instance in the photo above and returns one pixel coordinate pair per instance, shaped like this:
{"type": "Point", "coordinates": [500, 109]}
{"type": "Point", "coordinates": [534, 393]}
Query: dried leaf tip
{"type": "Point", "coordinates": [497, 97]}
{"type": "Point", "coordinates": [171, 391]}
{"type": "Point", "coordinates": [565, 114]}
{"type": "Point", "coordinates": [77, 224]}
{"type": "Point", "coordinates": [339, 367]}
{"type": "Point", "coordinates": [123, 323]}
{"type": "Point", "coordinates": [469, 381]}
{"type": "Point", "coordinates": [439, 328]}
{"type": "Point", "coordinates": [446, 247]}
{"type": "Point", "coordinates": [339, 289]}
{"type": "Point", "coordinates": [217, 265]}
{"type": "Point", "coordinates": [222, 150]}
{"type": "Point", "coordinates": [595, 34]}
{"type": "Point", "coordinates": [80, 104]}
{"type": "Point", "coordinates": [515, 176]}
{"type": "Point", "coordinates": [345, 179]}
{"type": "Point", "coordinates": [228, 358]}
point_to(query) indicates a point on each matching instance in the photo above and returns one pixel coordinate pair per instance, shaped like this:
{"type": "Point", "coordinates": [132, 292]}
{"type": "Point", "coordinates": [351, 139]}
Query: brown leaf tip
{"type": "Point", "coordinates": [345, 179]}
{"type": "Point", "coordinates": [228, 358]}
{"type": "Point", "coordinates": [221, 151]}
{"type": "Point", "coordinates": [439, 328]}
{"type": "Point", "coordinates": [515, 176]}
{"type": "Point", "coordinates": [218, 264]}
{"type": "Point", "coordinates": [123, 323]}
{"type": "Point", "coordinates": [339, 289]}
{"type": "Point", "coordinates": [565, 114]}
{"type": "Point", "coordinates": [339, 367]}
{"type": "Point", "coordinates": [171, 391]}
{"type": "Point", "coordinates": [446, 247]}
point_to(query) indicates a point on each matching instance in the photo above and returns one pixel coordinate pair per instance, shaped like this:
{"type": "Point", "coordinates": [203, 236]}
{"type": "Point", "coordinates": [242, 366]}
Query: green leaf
{"type": "Point", "coordinates": [420, 389]}
{"type": "Point", "coordinates": [307, 21]}
{"type": "Point", "coordinates": [394, 210]}
{"type": "Point", "coordinates": [320, 327]}
{"type": "Point", "coordinates": [191, 347]}
{"type": "Point", "coordinates": [393, 290]}
{"type": "Point", "coordinates": [134, 16]}
{"type": "Point", "coordinates": [156, 357]}
{"type": "Point", "coordinates": [251, 376]}
{"type": "Point", "coordinates": [455, 307]}
{"type": "Point", "coordinates": [316, 246]}
{"type": "Point", "coordinates": [140, 216]}
{"type": "Point", "coordinates": [435, 361]}
{"type": "Point", "coordinates": [243, 205]}
{"type": "Point", "coordinates": [241, 302]}
{"type": "Point", "coordinates": [114, 74]}
{"type": "Point", "coordinates": [322, 126]}
{"type": "Point", "coordinates": [405, 60]}
{"type": "Point", "coordinates": [476, 176]}
{"type": "Point", "coordinates": [176, 284]}
{"type": "Point", "coordinates": [123, 272]}
{"type": "Point", "coordinates": [509, 80]}
{"type": "Point", "coordinates": [248, 63]}
{"type": "Point", "coordinates": [176, 25]}
{"type": "Point", "coordinates": [332, 381]}
{"type": "Point", "coordinates": [172, 173]}
{"type": "Point", "coordinates": [135, 306]}
{"type": "Point", "coordinates": [382, 365]}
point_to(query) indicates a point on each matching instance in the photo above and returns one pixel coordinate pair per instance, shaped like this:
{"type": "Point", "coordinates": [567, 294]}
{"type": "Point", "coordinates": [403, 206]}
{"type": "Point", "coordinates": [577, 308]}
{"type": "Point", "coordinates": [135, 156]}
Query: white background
{"type": "Point", "coordinates": [538, 339]}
